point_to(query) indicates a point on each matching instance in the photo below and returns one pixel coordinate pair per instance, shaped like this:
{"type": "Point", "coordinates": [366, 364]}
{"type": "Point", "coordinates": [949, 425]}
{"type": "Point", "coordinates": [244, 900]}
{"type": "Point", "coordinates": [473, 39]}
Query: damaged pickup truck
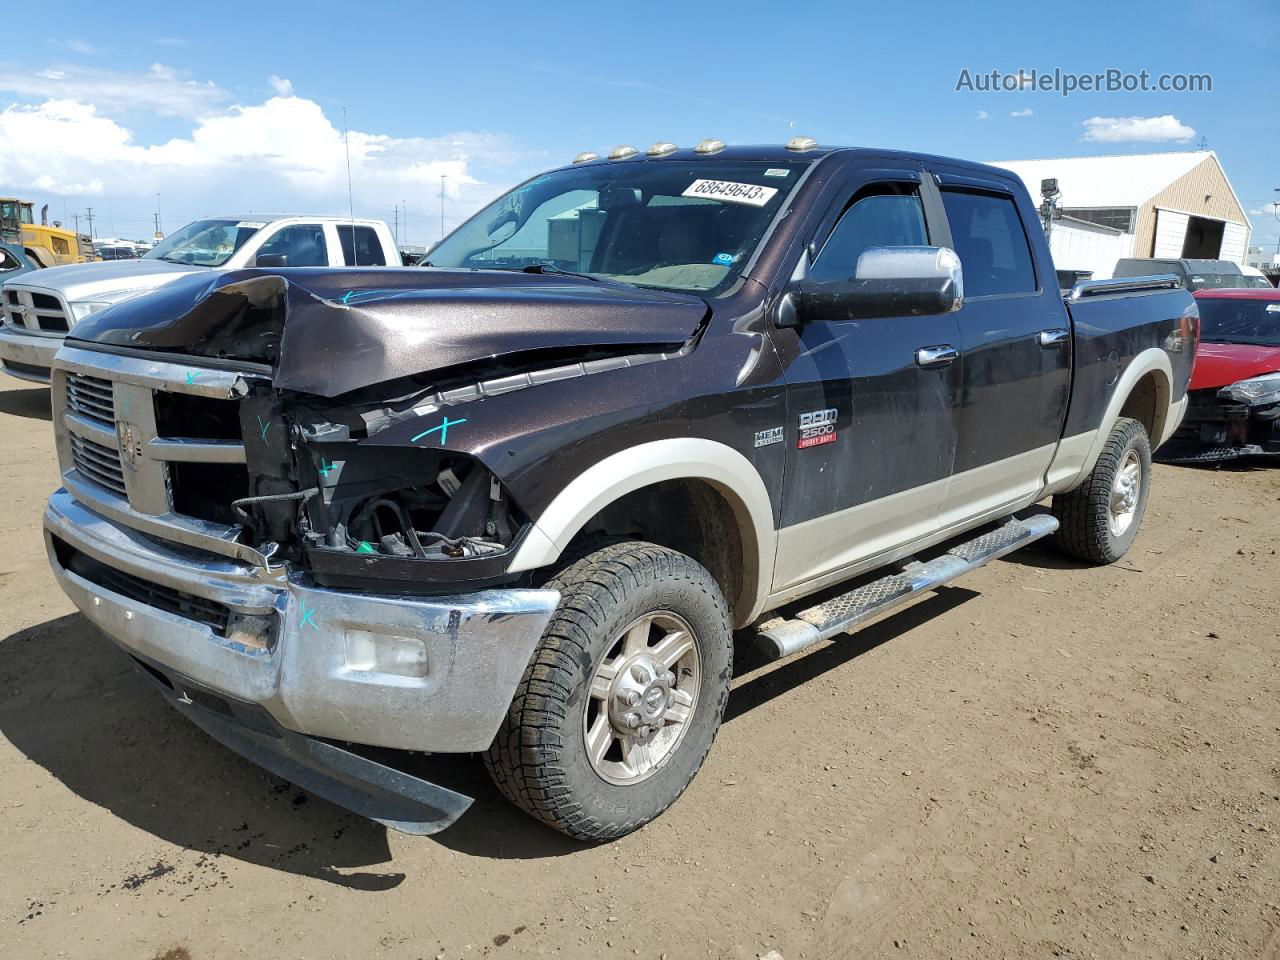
{"type": "Point", "coordinates": [516, 502]}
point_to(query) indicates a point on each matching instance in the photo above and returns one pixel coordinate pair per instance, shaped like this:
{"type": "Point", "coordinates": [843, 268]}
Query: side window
{"type": "Point", "coordinates": [884, 215]}
{"type": "Point", "coordinates": [990, 242]}
{"type": "Point", "coordinates": [360, 246]}
{"type": "Point", "coordinates": [302, 243]}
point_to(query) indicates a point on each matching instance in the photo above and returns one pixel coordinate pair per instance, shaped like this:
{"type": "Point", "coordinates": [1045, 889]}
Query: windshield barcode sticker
{"type": "Point", "coordinates": [749, 193]}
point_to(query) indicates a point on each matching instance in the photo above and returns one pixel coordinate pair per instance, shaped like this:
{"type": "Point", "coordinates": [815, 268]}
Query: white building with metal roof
{"type": "Point", "coordinates": [1170, 205]}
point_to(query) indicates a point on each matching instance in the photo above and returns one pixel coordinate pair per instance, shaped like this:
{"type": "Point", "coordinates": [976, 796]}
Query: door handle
{"type": "Point", "coordinates": [1055, 337]}
{"type": "Point", "coordinates": [937, 356]}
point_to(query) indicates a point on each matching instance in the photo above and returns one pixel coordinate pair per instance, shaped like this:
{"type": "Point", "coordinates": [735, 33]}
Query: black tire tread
{"type": "Point", "coordinates": [1082, 513]}
{"type": "Point", "coordinates": [523, 759]}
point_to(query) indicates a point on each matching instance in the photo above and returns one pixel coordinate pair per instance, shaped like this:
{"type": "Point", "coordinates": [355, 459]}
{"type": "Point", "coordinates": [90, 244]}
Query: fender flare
{"type": "Point", "coordinates": [677, 458]}
{"type": "Point", "coordinates": [1167, 412]}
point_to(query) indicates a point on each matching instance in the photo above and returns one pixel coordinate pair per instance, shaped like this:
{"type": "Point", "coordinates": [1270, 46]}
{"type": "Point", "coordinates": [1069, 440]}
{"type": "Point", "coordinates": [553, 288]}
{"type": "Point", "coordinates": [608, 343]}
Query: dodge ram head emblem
{"type": "Point", "coordinates": [130, 443]}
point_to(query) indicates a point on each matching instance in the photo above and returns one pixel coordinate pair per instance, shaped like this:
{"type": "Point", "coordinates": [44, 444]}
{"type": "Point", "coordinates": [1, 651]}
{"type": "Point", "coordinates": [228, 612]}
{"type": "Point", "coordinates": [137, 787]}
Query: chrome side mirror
{"type": "Point", "coordinates": [887, 282]}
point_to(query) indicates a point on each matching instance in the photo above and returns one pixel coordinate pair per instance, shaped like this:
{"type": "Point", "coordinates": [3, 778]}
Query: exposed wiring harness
{"type": "Point", "coordinates": [452, 546]}
{"type": "Point", "coordinates": [303, 495]}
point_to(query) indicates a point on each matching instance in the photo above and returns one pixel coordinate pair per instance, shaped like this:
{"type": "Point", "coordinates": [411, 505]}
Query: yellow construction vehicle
{"type": "Point", "coordinates": [47, 245]}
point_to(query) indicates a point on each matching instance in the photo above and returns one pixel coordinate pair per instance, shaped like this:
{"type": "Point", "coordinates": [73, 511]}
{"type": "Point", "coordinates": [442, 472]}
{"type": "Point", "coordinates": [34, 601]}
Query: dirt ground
{"type": "Point", "coordinates": [1043, 761]}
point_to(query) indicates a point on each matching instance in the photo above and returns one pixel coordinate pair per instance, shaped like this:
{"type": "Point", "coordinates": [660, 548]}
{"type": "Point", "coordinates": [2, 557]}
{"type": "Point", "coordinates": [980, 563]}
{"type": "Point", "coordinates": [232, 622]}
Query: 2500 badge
{"type": "Point", "coordinates": [817, 427]}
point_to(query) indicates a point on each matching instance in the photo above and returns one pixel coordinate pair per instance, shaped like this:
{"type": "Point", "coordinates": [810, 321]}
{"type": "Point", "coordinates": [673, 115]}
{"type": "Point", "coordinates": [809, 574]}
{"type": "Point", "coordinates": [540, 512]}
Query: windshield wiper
{"type": "Point", "coordinates": [551, 268]}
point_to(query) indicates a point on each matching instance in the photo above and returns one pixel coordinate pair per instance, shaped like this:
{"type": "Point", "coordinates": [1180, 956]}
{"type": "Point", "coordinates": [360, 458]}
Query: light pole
{"type": "Point", "coordinates": [442, 178]}
{"type": "Point", "coordinates": [1275, 211]}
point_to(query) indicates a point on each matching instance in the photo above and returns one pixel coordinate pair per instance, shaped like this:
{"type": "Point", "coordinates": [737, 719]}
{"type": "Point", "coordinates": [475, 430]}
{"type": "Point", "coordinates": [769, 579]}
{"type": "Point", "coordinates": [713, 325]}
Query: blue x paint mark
{"type": "Point", "coordinates": [443, 427]}
{"type": "Point", "coordinates": [307, 614]}
{"type": "Point", "coordinates": [191, 377]}
{"type": "Point", "coordinates": [325, 467]}
{"type": "Point", "coordinates": [348, 295]}
{"type": "Point", "coordinates": [264, 426]}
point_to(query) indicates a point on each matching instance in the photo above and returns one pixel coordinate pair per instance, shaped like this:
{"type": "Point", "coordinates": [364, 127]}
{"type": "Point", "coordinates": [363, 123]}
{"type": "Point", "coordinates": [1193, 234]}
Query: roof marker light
{"type": "Point", "coordinates": [586, 155]}
{"type": "Point", "coordinates": [661, 149]}
{"type": "Point", "coordinates": [710, 145]}
{"type": "Point", "coordinates": [622, 152]}
{"type": "Point", "coordinates": [801, 144]}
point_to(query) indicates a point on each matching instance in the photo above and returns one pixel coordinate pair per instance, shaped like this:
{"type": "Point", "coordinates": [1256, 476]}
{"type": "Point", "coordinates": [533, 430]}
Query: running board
{"type": "Point", "coordinates": [843, 613]}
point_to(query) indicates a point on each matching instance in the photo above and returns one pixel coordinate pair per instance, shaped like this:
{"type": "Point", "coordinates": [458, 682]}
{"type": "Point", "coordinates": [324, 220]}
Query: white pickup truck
{"type": "Point", "coordinates": [38, 309]}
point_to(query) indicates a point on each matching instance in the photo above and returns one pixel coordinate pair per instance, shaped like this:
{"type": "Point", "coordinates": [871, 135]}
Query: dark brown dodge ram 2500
{"type": "Point", "coordinates": [516, 502]}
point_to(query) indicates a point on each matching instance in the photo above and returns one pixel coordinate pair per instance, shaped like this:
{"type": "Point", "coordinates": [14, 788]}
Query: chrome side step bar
{"type": "Point", "coordinates": [843, 613]}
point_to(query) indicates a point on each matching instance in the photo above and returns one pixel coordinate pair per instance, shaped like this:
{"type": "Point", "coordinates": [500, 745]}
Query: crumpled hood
{"type": "Point", "coordinates": [1220, 364]}
{"type": "Point", "coordinates": [78, 282]}
{"type": "Point", "coordinates": [328, 332]}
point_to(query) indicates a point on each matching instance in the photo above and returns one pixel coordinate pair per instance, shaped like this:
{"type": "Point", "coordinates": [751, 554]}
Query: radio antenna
{"type": "Point", "coordinates": [351, 205]}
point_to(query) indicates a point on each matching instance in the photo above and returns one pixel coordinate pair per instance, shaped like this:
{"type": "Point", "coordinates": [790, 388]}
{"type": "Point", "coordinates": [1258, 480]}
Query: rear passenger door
{"type": "Point", "coordinates": [1015, 347]}
{"type": "Point", "coordinates": [870, 435]}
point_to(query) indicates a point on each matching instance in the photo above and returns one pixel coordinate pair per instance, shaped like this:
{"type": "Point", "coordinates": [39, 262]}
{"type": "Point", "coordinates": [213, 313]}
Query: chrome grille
{"type": "Point", "coordinates": [92, 398]}
{"type": "Point", "coordinates": [34, 310]}
{"type": "Point", "coordinates": [98, 463]}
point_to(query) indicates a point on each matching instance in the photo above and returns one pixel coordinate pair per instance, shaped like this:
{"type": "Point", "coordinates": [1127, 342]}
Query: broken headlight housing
{"type": "Point", "coordinates": [403, 516]}
{"type": "Point", "coordinates": [1256, 391]}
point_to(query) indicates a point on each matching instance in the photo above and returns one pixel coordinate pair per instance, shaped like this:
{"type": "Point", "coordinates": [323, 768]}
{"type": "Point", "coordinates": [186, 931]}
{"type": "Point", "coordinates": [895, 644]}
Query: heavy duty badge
{"type": "Point", "coordinates": [817, 427]}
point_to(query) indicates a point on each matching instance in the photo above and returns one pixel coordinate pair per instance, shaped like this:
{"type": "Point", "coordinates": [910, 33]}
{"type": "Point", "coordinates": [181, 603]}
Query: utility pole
{"type": "Point", "coordinates": [89, 215]}
{"type": "Point", "coordinates": [159, 229]}
{"type": "Point", "coordinates": [396, 228]}
{"type": "Point", "coordinates": [442, 177]}
{"type": "Point", "coordinates": [1275, 210]}
{"type": "Point", "coordinates": [405, 204]}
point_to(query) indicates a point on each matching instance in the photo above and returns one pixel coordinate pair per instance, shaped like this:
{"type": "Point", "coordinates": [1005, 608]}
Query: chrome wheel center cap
{"type": "Point", "coordinates": [640, 696]}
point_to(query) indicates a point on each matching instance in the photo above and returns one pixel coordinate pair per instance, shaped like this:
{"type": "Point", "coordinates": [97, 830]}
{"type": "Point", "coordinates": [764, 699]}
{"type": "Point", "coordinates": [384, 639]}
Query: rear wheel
{"type": "Point", "coordinates": [1099, 520]}
{"type": "Point", "coordinates": [623, 698]}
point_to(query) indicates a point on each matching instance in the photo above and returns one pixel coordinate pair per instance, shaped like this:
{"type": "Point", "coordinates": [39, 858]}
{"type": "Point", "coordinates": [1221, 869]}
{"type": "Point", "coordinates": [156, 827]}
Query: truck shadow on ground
{"type": "Point", "coordinates": [32, 404]}
{"type": "Point", "coordinates": [74, 705]}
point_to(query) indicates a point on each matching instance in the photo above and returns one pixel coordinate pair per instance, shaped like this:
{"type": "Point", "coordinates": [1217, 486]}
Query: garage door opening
{"type": "Point", "coordinates": [1203, 240]}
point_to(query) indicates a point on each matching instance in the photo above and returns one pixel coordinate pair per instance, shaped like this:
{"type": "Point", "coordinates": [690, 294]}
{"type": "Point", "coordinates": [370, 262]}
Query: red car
{"type": "Point", "coordinates": [1234, 408]}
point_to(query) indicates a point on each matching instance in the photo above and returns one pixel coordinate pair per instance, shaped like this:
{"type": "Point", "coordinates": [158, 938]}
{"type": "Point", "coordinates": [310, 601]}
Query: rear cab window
{"type": "Point", "coordinates": [360, 246]}
{"type": "Point", "coordinates": [989, 238]}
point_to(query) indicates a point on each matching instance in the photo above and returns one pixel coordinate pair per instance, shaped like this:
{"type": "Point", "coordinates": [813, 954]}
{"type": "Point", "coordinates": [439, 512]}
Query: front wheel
{"type": "Point", "coordinates": [622, 700]}
{"type": "Point", "coordinates": [1100, 518]}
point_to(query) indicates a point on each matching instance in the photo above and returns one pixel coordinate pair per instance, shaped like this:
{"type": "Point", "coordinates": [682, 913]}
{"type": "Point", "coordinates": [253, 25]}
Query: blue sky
{"type": "Point", "coordinates": [235, 106]}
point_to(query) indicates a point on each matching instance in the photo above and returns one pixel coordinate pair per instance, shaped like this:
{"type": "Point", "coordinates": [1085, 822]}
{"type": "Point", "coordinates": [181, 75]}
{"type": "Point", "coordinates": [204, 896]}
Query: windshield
{"type": "Point", "coordinates": [205, 243]}
{"type": "Point", "coordinates": [1255, 322]}
{"type": "Point", "coordinates": [673, 224]}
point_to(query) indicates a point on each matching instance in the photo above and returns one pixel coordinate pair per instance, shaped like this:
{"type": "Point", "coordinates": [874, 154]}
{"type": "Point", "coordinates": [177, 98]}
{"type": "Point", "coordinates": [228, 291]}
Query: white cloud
{"type": "Point", "coordinates": [1266, 210]}
{"type": "Point", "coordinates": [161, 90]}
{"type": "Point", "coordinates": [1134, 129]}
{"type": "Point", "coordinates": [1024, 112]}
{"type": "Point", "coordinates": [983, 115]}
{"type": "Point", "coordinates": [280, 155]}
{"type": "Point", "coordinates": [282, 87]}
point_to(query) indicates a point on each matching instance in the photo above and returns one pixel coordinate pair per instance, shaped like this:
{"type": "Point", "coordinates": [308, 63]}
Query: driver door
{"type": "Point", "coordinates": [870, 403]}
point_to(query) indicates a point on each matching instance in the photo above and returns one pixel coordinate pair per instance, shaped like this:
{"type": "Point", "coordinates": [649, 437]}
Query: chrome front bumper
{"type": "Point", "coordinates": [30, 350]}
{"type": "Point", "coordinates": [303, 654]}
